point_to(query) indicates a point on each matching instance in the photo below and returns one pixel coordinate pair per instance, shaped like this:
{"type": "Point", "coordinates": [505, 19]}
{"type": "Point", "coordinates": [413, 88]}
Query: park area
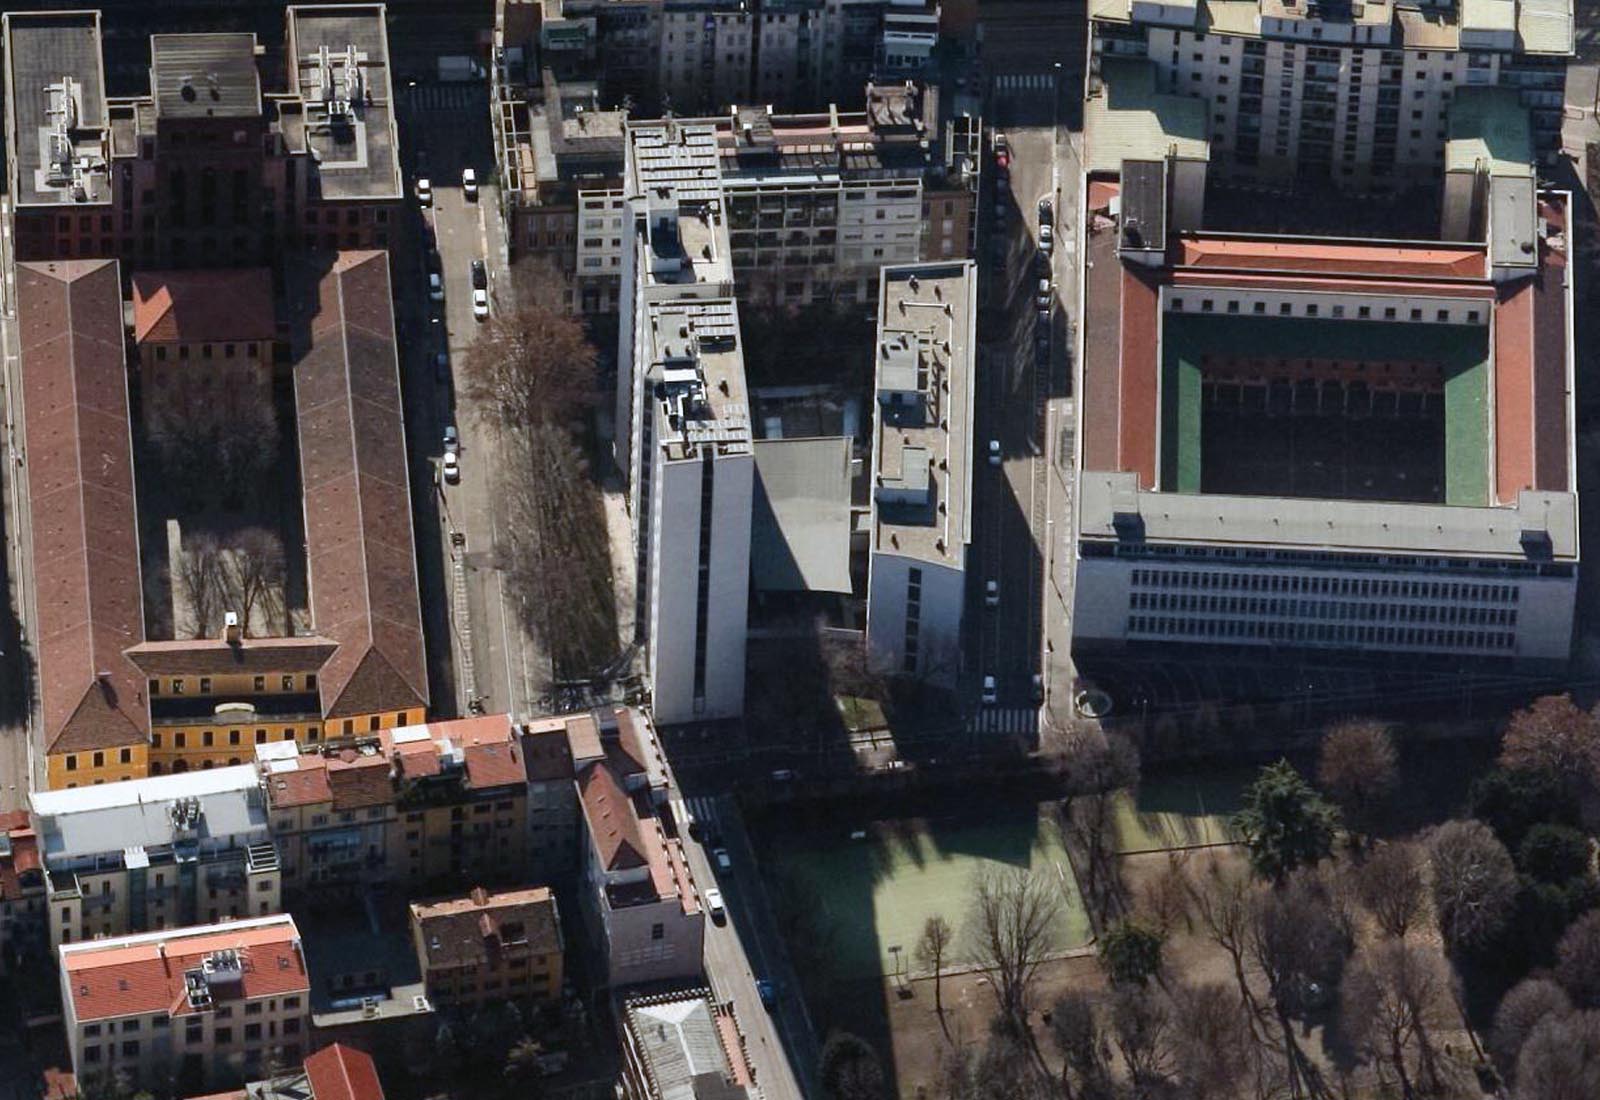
{"type": "Point", "coordinates": [875, 885]}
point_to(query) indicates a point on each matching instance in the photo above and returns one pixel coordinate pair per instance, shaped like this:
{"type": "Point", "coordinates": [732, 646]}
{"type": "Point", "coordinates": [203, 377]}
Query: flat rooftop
{"type": "Point", "coordinates": [1540, 26]}
{"type": "Point", "coordinates": [681, 156]}
{"type": "Point", "coordinates": [1130, 120]}
{"type": "Point", "coordinates": [205, 76]}
{"type": "Point", "coordinates": [923, 444]}
{"type": "Point", "coordinates": [697, 370]}
{"type": "Point", "coordinates": [56, 99]}
{"type": "Point", "coordinates": [339, 66]}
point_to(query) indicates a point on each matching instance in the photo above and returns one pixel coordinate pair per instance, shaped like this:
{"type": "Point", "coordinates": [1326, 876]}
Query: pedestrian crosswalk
{"type": "Point", "coordinates": [703, 811]}
{"type": "Point", "coordinates": [1004, 720]}
{"type": "Point", "coordinates": [1024, 82]}
{"type": "Point", "coordinates": [449, 97]}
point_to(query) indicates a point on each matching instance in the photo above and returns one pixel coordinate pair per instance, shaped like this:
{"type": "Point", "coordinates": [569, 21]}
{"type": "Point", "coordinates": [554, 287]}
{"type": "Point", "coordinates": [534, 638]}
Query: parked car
{"type": "Point", "coordinates": [451, 467]}
{"type": "Point", "coordinates": [452, 442]}
{"type": "Point", "coordinates": [480, 305]}
{"type": "Point", "coordinates": [991, 593]}
{"type": "Point", "coordinates": [991, 693]}
{"type": "Point", "coordinates": [424, 191]}
{"type": "Point", "coordinates": [1038, 688]}
{"type": "Point", "coordinates": [480, 275]}
{"type": "Point", "coordinates": [994, 452]}
{"type": "Point", "coordinates": [1046, 212]}
{"type": "Point", "coordinates": [714, 906]}
{"type": "Point", "coordinates": [469, 184]}
{"type": "Point", "coordinates": [441, 366]}
{"type": "Point", "coordinates": [1044, 294]}
{"type": "Point", "coordinates": [723, 862]}
{"type": "Point", "coordinates": [435, 287]}
{"type": "Point", "coordinates": [768, 994]}
{"type": "Point", "coordinates": [1046, 239]}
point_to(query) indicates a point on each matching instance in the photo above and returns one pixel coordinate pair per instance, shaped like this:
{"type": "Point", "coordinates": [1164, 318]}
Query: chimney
{"type": "Point", "coordinates": [230, 628]}
{"type": "Point", "coordinates": [480, 896]}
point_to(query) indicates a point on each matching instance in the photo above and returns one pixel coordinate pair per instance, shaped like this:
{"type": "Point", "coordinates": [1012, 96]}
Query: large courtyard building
{"type": "Point", "coordinates": [684, 425]}
{"type": "Point", "coordinates": [922, 469]}
{"type": "Point", "coordinates": [1358, 93]}
{"type": "Point", "coordinates": [1324, 443]}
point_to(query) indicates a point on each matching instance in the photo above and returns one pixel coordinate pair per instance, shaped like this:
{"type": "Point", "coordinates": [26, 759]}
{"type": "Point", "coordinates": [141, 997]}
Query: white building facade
{"type": "Point", "coordinates": [1359, 94]}
{"type": "Point", "coordinates": [688, 442]}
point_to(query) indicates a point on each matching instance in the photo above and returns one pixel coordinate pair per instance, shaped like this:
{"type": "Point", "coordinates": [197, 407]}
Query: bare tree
{"type": "Point", "coordinates": [1579, 956]}
{"type": "Point", "coordinates": [529, 366]}
{"type": "Point", "coordinates": [1520, 1010]}
{"type": "Point", "coordinates": [256, 569]}
{"type": "Point", "coordinates": [1474, 883]}
{"type": "Point", "coordinates": [1164, 899]}
{"type": "Point", "coordinates": [932, 946]}
{"type": "Point", "coordinates": [1211, 1042]}
{"type": "Point", "coordinates": [1144, 1031]}
{"type": "Point", "coordinates": [1011, 932]}
{"type": "Point", "coordinates": [1556, 736]}
{"type": "Point", "coordinates": [560, 554]}
{"type": "Point", "coordinates": [1358, 768]}
{"type": "Point", "coordinates": [1392, 885]}
{"type": "Point", "coordinates": [1561, 1059]}
{"type": "Point", "coordinates": [1299, 940]}
{"type": "Point", "coordinates": [1223, 897]}
{"type": "Point", "coordinates": [1095, 771]}
{"type": "Point", "coordinates": [199, 579]}
{"type": "Point", "coordinates": [1085, 1064]}
{"type": "Point", "coordinates": [1395, 996]}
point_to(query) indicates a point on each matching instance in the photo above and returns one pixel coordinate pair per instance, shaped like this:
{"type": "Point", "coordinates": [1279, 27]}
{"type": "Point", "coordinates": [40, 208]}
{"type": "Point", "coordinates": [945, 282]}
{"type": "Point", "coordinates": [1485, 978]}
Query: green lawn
{"type": "Point", "coordinates": [877, 891]}
{"type": "Point", "coordinates": [1179, 812]}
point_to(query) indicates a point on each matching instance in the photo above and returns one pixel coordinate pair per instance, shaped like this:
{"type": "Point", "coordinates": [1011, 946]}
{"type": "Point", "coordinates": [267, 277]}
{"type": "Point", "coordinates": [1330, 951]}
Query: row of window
{"type": "Point", "coordinates": [285, 682]}
{"type": "Point", "coordinates": [1250, 581]}
{"type": "Point", "coordinates": [1326, 634]}
{"type": "Point", "coordinates": [1337, 311]}
{"type": "Point", "coordinates": [208, 351]}
{"type": "Point", "coordinates": [1324, 609]}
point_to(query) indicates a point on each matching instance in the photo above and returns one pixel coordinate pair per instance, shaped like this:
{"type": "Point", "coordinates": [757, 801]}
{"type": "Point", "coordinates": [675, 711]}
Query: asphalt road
{"type": "Point", "coordinates": [747, 947]}
{"type": "Point", "coordinates": [498, 667]}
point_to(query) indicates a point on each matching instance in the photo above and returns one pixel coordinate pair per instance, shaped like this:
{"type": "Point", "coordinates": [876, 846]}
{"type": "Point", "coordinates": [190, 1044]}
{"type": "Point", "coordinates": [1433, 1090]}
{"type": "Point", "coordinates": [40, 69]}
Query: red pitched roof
{"type": "Point", "coordinates": [612, 820]}
{"type": "Point", "coordinates": [1437, 261]}
{"type": "Point", "coordinates": [359, 547]}
{"type": "Point", "coordinates": [304, 785]}
{"type": "Point", "coordinates": [339, 1072]}
{"type": "Point", "coordinates": [359, 781]}
{"type": "Point", "coordinates": [203, 307]}
{"type": "Point", "coordinates": [143, 974]}
{"type": "Point", "coordinates": [494, 765]}
{"type": "Point", "coordinates": [80, 487]}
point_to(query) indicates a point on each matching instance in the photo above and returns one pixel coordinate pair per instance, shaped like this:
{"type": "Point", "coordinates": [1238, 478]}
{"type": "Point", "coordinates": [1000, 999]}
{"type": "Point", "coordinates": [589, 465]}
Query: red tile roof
{"type": "Point", "coordinates": [1513, 393]}
{"type": "Point", "coordinates": [613, 822]}
{"type": "Point", "coordinates": [80, 486]}
{"type": "Point", "coordinates": [339, 1072]}
{"type": "Point", "coordinates": [1141, 321]}
{"type": "Point", "coordinates": [465, 930]}
{"type": "Point", "coordinates": [1439, 261]}
{"type": "Point", "coordinates": [142, 974]}
{"type": "Point", "coordinates": [305, 785]}
{"type": "Point", "coordinates": [359, 781]}
{"type": "Point", "coordinates": [494, 766]}
{"type": "Point", "coordinates": [203, 307]}
{"type": "Point", "coordinates": [202, 656]}
{"type": "Point", "coordinates": [363, 573]}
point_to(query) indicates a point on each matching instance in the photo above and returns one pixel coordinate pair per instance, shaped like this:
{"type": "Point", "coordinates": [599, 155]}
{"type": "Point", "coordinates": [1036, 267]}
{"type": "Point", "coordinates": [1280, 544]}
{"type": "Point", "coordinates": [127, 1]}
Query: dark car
{"type": "Point", "coordinates": [480, 275]}
{"type": "Point", "coordinates": [1046, 213]}
{"type": "Point", "coordinates": [768, 994]}
{"type": "Point", "coordinates": [434, 262]}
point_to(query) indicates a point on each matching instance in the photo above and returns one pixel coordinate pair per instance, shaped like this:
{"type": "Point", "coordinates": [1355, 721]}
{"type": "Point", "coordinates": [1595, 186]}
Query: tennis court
{"type": "Point", "coordinates": [876, 891]}
{"type": "Point", "coordinates": [1181, 812]}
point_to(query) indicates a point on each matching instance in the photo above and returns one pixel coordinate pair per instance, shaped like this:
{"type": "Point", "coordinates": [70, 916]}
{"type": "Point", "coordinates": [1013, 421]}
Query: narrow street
{"type": "Point", "coordinates": [497, 666]}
